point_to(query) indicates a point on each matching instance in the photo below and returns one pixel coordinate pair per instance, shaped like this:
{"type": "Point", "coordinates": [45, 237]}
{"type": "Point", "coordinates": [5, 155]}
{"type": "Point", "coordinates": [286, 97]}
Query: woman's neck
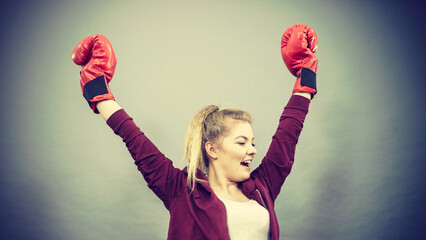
{"type": "Point", "coordinates": [224, 188]}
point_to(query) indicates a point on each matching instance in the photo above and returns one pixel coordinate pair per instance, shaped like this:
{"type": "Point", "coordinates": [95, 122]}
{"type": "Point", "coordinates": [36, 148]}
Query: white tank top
{"type": "Point", "coordinates": [247, 220]}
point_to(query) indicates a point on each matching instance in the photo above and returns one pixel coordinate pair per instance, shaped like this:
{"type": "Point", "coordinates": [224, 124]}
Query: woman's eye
{"type": "Point", "coordinates": [241, 143]}
{"type": "Point", "coordinates": [253, 144]}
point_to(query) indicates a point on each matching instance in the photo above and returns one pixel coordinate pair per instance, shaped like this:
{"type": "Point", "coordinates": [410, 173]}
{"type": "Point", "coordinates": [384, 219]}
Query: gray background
{"type": "Point", "coordinates": [360, 161]}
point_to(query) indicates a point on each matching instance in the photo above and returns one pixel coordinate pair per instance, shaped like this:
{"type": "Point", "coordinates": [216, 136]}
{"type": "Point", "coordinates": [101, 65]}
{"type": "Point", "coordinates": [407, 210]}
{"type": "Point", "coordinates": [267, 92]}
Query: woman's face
{"type": "Point", "coordinates": [236, 151]}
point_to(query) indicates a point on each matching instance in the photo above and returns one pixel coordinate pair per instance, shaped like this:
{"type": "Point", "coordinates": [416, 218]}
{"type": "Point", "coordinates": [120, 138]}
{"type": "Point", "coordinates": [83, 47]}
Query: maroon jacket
{"type": "Point", "coordinates": [200, 214]}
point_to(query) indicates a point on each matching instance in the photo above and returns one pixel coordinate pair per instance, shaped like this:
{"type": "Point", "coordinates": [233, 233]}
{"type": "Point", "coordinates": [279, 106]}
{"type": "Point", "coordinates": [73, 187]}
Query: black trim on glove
{"type": "Point", "coordinates": [308, 78]}
{"type": "Point", "coordinates": [95, 88]}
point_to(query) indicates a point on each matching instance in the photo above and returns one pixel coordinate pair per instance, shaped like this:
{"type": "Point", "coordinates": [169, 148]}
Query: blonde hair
{"type": "Point", "coordinates": [207, 125]}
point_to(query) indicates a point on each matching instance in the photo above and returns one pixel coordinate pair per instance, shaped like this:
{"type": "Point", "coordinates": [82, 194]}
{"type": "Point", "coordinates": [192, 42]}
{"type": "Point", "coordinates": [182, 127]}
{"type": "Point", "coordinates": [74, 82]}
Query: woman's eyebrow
{"type": "Point", "coordinates": [243, 137]}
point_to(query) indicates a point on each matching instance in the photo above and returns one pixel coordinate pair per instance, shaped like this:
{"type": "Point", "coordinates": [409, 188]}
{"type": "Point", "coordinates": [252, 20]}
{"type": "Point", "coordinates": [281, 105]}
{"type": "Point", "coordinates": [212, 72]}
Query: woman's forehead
{"type": "Point", "coordinates": [239, 128]}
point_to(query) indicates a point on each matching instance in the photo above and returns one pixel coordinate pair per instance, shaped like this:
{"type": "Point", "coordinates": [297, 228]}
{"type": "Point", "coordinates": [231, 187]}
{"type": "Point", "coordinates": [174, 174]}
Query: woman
{"type": "Point", "coordinates": [215, 196]}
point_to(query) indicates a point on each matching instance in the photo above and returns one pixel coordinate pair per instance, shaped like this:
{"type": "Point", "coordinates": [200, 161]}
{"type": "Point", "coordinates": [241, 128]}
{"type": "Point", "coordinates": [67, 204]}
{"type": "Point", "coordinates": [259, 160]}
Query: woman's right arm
{"type": "Point", "coordinates": [162, 177]}
{"type": "Point", "coordinates": [97, 58]}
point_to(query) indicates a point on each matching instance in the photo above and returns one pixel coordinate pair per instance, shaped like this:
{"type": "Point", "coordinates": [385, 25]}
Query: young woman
{"type": "Point", "coordinates": [215, 196]}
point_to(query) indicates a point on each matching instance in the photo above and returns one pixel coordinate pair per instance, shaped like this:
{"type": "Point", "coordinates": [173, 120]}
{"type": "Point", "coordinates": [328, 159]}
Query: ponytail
{"type": "Point", "coordinates": [194, 145]}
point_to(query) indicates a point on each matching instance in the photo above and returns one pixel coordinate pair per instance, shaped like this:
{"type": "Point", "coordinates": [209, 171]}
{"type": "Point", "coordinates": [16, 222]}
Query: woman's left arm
{"type": "Point", "coordinates": [278, 162]}
{"type": "Point", "coordinates": [298, 46]}
{"type": "Point", "coordinates": [303, 94]}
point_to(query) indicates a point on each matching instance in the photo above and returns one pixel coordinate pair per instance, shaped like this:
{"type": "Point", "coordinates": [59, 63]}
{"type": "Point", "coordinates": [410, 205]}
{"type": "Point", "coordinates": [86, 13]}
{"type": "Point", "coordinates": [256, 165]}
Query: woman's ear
{"type": "Point", "coordinates": [211, 150]}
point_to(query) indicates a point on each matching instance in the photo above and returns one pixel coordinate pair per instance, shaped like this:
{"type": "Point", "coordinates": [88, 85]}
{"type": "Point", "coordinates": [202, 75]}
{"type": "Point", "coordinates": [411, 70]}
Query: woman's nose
{"type": "Point", "coordinates": [252, 150]}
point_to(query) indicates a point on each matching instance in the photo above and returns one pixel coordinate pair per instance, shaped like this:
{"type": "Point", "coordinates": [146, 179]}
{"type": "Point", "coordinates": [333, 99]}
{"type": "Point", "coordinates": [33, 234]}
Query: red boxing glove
{"type": "Point", "coordinates": [96, 56]}
{"type": "Point", "coordinates": [298, 45]}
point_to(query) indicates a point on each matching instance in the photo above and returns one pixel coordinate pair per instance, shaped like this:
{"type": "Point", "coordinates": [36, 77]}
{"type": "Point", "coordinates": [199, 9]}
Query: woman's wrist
{"type": "Point", "coordinates": [107, 107]}
{"type": "Point", "coordinates": [304, 94]}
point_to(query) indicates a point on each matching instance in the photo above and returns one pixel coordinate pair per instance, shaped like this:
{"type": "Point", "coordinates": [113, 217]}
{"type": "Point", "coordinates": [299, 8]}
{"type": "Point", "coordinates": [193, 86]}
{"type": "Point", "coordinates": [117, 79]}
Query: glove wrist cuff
{"type": "Point", "coordinates": [96, 90]}
{"type": "Point", "coordinates": [306, 82]}
{"type": "Point", "coordinates": [308, 78]}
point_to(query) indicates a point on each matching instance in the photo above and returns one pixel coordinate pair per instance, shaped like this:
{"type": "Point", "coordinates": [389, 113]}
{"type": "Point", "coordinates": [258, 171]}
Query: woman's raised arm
{"type": "Point", "coordinates": [298, 45]}
{"type": "Point", "coordinates": [96, 56]}
{"type": "Point", "coordinates": [107, 107]}
{"type": "Point", "coordinates": [303, 94]}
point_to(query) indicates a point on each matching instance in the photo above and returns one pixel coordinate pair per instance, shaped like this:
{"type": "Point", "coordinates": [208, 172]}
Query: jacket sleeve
{"type": "Point", "coordinates": [158, 171]}
{"type": "Point", "coordinates": [277, 163]}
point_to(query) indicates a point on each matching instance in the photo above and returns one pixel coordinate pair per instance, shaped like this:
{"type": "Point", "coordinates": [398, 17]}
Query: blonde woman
{"type": "Point", "coordinates": [215, 196]}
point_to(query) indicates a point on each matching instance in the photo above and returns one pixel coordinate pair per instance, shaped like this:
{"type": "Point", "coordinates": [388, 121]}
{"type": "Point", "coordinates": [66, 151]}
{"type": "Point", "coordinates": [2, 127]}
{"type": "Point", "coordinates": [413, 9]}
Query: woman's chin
{"type": "Point", "coordinates": [243, 176]}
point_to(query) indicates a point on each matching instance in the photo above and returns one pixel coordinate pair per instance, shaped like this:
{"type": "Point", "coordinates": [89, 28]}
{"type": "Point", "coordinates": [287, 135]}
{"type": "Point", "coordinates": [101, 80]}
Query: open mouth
{"type": "Point", "coordinates": [246, 163]}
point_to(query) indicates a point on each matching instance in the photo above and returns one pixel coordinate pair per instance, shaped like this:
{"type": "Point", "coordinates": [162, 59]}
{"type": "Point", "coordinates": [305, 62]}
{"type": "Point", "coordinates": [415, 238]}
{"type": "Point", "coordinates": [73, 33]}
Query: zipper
{"type": "Point", "coordinates": [270, 221]}
{"type": "Point", "coordinates": [226, 215]}
{"type": "Point", "coordinates": [260, 195]}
